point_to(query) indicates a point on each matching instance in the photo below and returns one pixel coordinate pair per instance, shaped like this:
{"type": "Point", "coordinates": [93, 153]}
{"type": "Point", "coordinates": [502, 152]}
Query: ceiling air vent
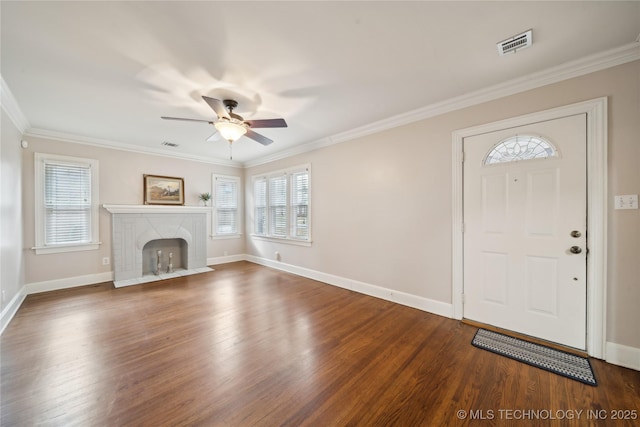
{"type": "Point", "coordinates": [515, 43]}
{"type": "Point", "coordinates": [169, 144]}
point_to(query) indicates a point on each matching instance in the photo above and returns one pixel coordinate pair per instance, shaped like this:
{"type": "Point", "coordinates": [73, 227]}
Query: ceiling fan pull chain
{"type": "Point", "coordinates": [230, 151]}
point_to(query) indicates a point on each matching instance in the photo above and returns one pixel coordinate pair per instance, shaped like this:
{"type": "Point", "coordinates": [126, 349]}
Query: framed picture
{"type": "Point", "coordinates": [163, 190]}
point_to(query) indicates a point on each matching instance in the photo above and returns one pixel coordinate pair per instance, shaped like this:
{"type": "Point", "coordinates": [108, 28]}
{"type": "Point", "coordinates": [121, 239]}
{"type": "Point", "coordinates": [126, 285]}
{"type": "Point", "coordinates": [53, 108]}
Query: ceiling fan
{"type": "Point", "coordinates": [232, 126]}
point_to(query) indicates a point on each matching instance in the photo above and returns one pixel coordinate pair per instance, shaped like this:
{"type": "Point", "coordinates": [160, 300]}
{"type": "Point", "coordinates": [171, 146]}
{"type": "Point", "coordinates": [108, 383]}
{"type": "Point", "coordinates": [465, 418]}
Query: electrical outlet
{"type": "Point", "coordinates": [627, 201]}
{"type": "Point", "coordinates": [105, 261]}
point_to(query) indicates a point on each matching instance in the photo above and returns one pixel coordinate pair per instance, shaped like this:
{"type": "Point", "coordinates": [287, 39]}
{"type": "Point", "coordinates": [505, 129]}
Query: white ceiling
{"type": "Point", "coordinates": [104, 72]}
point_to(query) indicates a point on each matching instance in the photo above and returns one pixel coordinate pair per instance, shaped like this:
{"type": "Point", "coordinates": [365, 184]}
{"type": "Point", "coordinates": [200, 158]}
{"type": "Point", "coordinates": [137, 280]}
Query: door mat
{"type": "Point", "coordinates": [559, 362]}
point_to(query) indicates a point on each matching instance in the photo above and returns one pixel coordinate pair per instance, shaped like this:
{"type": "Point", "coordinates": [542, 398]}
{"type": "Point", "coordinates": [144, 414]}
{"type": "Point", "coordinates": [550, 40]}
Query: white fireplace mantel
{"type": "Point", "coordinates": [124, 209]}
{"type": "Point", "coordinates": [133, 226]}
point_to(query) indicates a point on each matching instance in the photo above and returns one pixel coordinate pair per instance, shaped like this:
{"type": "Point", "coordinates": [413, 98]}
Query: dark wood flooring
{"type": "Point", "coordinates": [246, 345]}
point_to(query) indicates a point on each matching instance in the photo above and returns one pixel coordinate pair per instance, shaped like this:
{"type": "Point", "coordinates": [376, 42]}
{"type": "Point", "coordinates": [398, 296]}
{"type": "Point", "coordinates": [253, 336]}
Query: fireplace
{"type": "Point", "coordinates": [144, 235]}
{"type": "Point", "coordinates": [164, 256]}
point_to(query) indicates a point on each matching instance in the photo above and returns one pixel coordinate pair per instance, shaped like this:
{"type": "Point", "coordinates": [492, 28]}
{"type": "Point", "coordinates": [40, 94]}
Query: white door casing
{"type": "Point", "coordinates": [519, 273]}
{"type": "Point", "coordinates": [596, 129]}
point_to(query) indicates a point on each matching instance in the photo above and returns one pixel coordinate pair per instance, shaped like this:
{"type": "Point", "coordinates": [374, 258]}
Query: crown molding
{"type": "Point", "coordinates": [590, 64]}
{"type": "Point", "coordinates": [294, 151]}
{"type": "Point", "coordinates": [115, 145]}
{"type": "Point", "coordinates": [11, 107]}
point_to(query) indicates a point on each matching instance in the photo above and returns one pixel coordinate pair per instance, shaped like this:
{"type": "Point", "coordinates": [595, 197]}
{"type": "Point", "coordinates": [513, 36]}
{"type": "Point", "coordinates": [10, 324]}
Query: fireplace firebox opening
{"type": "Point", "coordinates": [161, 256]}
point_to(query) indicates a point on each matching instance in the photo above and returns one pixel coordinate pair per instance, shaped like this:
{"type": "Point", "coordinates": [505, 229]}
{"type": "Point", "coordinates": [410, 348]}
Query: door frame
{"type": "Point", "coordinates": [596, 112]}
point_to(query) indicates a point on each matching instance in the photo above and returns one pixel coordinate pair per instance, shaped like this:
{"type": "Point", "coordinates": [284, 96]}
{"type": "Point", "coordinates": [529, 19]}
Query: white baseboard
{"type": "Point", "coordinates": [90, 279]}
{"type": "Point", "coordinates": [12, 308]}
{"type": "Point", "coordinates": [68, 282]}
{"type": "Point", "coordinates": [421, 303]}
{"type": "Point", "coordinates": [622, 355]}
{"type": "Point", "coordinates": [226, 259]}
{"type": "Point", "coordinates": [424, 304]}
{"type": "Point", "coordinates": [616, 354]}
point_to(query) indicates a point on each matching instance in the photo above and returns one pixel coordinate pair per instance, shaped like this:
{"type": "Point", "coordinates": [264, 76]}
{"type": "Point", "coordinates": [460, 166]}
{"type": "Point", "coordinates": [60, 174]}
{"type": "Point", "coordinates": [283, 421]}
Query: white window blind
{"type": "Point", "coordinates": [226, 198]}
{"type": "Point", "coordinates": [66, 203]}
{"type": "Point", "coordinates": [278, 206]}
{"type": "Point", "coordinates": [282, 204]}
{"type": "Point", "coordinates": [300, 205]}
{"type": "Point", "coordinates": [260, 206]}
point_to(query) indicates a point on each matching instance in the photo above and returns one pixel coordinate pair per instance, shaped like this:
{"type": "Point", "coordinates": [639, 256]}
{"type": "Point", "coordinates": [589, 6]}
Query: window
{"type": "Point", "coordinates": [226, 216]}
{"type": "Point", "coordinates": [518, 148]}
{"type": "Point", "coordinates": [260, 206]}
{"type": "Point", "coordinates": [66, 203]}
{"type": "Point", "coordinates": [278, 206]}
{"type": "Point", "coordinates": [281, 202]}
{"type": "Point", "coordinates": [300, 205]}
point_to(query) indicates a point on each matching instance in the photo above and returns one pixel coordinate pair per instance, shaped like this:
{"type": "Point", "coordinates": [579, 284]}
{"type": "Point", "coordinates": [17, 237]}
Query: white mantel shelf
{"type": "Point", "coordinates": [136, 209]}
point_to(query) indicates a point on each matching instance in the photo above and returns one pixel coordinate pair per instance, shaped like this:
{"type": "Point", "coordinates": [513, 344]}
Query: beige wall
{"type": "Point", "coordinates": [120, 183]}
{"type": "Point", "coordinates": [11, 223]}
{"type": "Point", "coordinates": [359, 186]}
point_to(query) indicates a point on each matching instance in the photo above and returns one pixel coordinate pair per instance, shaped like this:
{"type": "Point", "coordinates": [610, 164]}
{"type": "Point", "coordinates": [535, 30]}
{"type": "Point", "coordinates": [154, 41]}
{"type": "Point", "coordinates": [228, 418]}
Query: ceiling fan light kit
{"type": "Point", "coordinates": [230, 130]}
{"type": "Point", "coordinates": [232, 126]}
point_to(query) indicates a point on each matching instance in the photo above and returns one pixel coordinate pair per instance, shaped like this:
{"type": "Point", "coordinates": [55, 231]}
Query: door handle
{"type": "Point", "coordinates": [575, 249]}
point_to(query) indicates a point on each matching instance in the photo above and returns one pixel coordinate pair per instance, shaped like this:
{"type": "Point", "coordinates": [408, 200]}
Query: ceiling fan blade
{"type": "Point", "coordinates": [217, 106]}
{"type": "Point", "coordinates": [188, 120]}
{"type": "Point", "coordinates": [268, 123]}
{"type": "Point", "coordinates": [214, 137]}
{"type": "Point", "coordinates": [257, 137]}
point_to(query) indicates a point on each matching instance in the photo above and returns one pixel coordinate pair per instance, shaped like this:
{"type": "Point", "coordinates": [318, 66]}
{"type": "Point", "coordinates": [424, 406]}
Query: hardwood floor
{"type": "Point", "coordinates": [246, 345]}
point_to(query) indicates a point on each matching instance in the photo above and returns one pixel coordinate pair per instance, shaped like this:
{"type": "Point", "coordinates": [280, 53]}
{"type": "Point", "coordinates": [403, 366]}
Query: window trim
{"type": "Point", "coordinates": [40, 159]}
{"type": "Point", "coordinates": [288, 172]}
{"type": "Point", "coordinates": [214, 216]}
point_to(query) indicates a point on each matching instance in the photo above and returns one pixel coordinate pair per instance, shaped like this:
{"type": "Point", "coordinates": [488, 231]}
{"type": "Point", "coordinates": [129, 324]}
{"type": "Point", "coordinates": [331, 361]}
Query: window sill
{"type": "Point", "coordinates": [43, 250]}
{"type": "Point", "coordinates": [226, 236]}
{"type": "Point", "coordinates": [282, 240]}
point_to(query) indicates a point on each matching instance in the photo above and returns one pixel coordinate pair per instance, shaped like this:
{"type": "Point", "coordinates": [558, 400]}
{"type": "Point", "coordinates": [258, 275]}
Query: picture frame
{"type": "Point", "coordinates": [163, 190]}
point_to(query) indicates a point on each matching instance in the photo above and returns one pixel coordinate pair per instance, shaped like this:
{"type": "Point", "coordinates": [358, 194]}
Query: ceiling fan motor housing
{"type": "Point", "coordinates": [231, 105]}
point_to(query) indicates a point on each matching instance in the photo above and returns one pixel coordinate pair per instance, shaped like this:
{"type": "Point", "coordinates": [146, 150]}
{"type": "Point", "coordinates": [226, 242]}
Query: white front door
{"type": "Point", "coordinates": [525, 229]}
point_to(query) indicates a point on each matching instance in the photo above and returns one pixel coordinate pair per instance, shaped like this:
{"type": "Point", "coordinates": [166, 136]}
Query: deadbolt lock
{"type": "Point", "coordinates": [576, 233]}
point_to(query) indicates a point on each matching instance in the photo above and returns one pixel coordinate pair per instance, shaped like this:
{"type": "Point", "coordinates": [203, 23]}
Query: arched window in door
{"type": "Point", "coordinates": [520, 147]}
